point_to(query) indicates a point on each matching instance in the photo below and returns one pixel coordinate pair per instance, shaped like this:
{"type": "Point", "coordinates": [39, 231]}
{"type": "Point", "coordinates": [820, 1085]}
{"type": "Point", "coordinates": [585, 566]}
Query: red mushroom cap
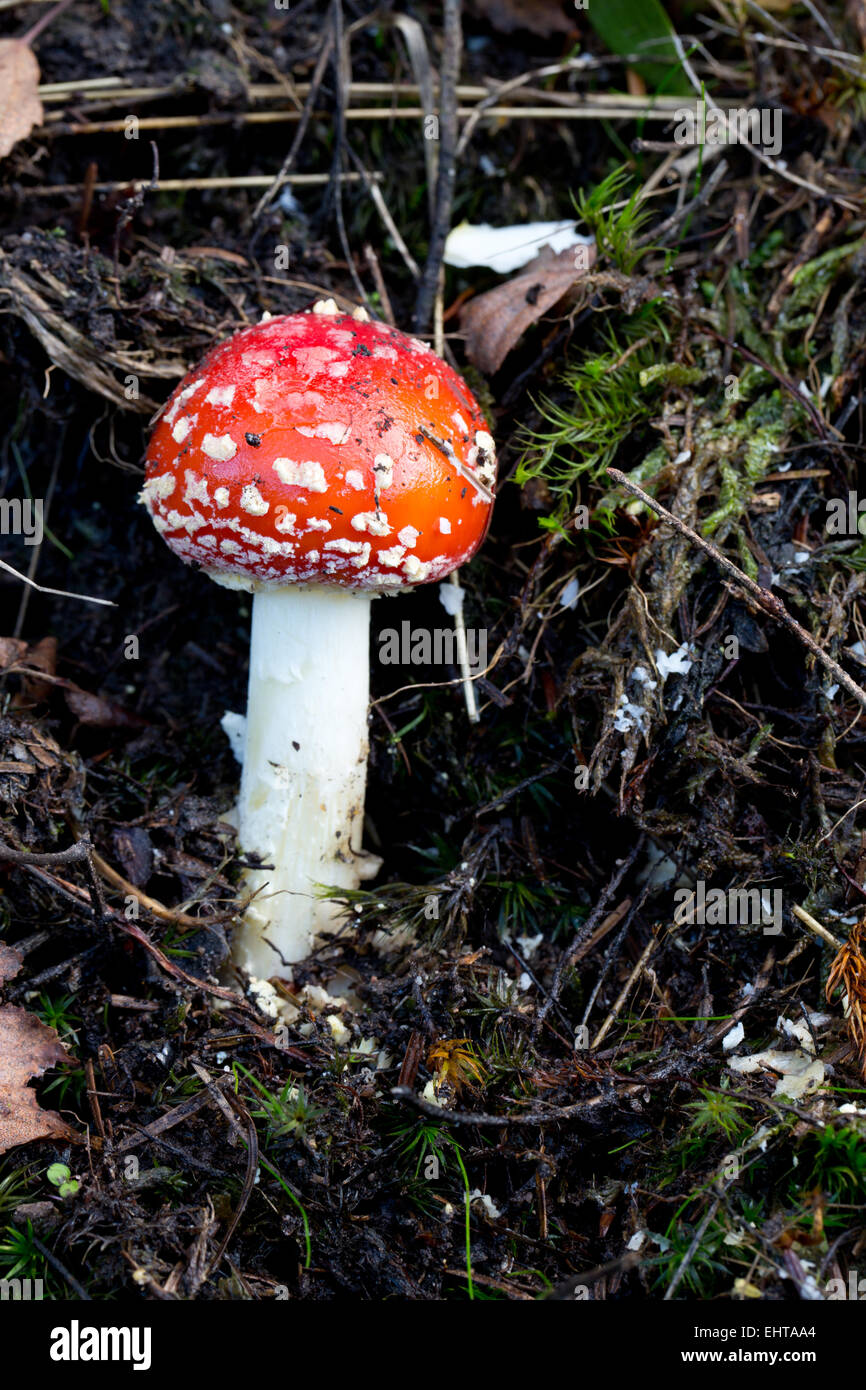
{"type": "Point", "coordinates": [320, 448]}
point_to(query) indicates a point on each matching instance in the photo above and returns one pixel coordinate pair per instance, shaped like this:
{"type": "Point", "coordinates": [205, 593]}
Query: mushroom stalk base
{"type": "Point", "coordinates": [301, 805]}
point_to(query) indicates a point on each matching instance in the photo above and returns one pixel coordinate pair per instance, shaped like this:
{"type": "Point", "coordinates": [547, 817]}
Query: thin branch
{"type": "Point", "coordinates": [79, 853]}
{"type": "Point", "coordinates": [449, 131]}
{"type": "Point", "coordinates": [468, 1117]}
{"type": "Point", "coordinates": [49, 18]}
{"type": "Point", "coordinates": [274, 185]}
{"type": "Point", "coordinates": [58, 593]}
{"type": "Point", "coordinates": [763, 597]}
{"type": "Point", "coordinates": [808, 920]}
{"type": "Point", "coordinates": [47, 190]}
{"type": "Point", "coordinates": [778, 167]}
{"type": "Point", "coordinates": [586, 931]}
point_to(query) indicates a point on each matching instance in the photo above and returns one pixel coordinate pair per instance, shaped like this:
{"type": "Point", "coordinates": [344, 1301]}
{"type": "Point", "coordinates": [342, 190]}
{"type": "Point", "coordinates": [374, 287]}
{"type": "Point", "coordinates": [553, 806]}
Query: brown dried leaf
{"type": "Point", "coordinates": [20, 107]}
{"type": "Point", "coordinates": [27, 1049]}
{"type": "Point", "coordinates": [100, 713]}
{"type": "Point", "coordinates": [214, 253]}
{"type": "Point", "coordinates": [856, 12]}
{"type": "Point", "coordinates": [43, 657]}
{"type": "Point", "coordinates": [135, 852]}
{"type": "Point", "coordinates": [12, 649]}
{"type": "Point", "coordinates": [10, 963]}
{"type": "Point", "coordinates": [42, 749]}
{"type": "Point", "coordinates": [544, 17]}
{"type": "Point", "coordinates": [493, 322]}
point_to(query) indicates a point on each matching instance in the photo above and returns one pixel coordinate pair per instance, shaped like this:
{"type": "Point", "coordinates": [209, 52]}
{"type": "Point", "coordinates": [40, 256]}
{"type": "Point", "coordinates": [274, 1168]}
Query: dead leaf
{"type": "Point", "coordinates": [800, 1073]}
{"type": "Point", "coordinates": [544, 17]}
{"type": "Point", "coordinates": [27, 1049]}
{"type": "Point", "coordinates": [493, 322]}
{"type": "Point", "coordinates": [635, 84]}
{"type": "Point", "coordinates": [12, 649]}
{"type": "Point", "coordinates": [856, 12]}
{"type": "Point", "coordinates": [100, 713]}
{"type": "Point", "coordinates": [42, 749]}
{"type": "Point", "coordinates": [10, 963]}
{"type": "Point", "coordinates": [43, 657]}
{"type": "Point", "coordinates": [135, 852]}
{"type": "Point", "coordinates": [213, 253]}
{"type": "Point", "coordinates": [20, 107]}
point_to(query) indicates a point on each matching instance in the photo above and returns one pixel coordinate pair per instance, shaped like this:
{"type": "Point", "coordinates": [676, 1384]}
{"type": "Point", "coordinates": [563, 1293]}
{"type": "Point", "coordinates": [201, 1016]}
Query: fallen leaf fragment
{"type": "Point", "coordinates": [12, 649]}
{"type": "Point", "coordinates": [800, 1073]}
{"type": "Point", "coordinates": [98, 712]}
{"type": "Point", "coordinates": [20, 107]}
{"type": "Point", "coordinates": [213, 253]}
{"type": "Point", "coordinates": [856, 12]}
{"type": "Point", "coordinates": [28, 1048]}
{"type": "Point", "coordinates": [10, 963]}
{"type": "Point", "coordinates": [505, 249]}
{"type": "Point", "coordinates": [42, 656]}
{"type": "Point", "coordinates": [495, 321]}
{"type": "Point", "coordinates": [542, 17]}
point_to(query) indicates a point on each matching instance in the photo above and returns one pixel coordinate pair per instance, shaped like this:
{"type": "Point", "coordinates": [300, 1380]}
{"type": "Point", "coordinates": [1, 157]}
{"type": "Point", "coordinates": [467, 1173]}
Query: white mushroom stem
{"type": "Point", "coordinates": [301, 805]}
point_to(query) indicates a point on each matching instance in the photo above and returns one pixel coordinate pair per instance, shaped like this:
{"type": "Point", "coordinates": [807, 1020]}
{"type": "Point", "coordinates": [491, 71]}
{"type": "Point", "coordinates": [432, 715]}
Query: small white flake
{"type": "Point", "coordinates": [196, 489]}
{"type": "Point", "coordinates": [629, 716]}
{"type": "Point", "coordinates": [677, 664]}
{"type": "Point", "coordinates": [253, 502]}
{"type": "Point", "coordinates": [530, 944]}
{"type": "Point", "coordinates": [408, 537]}
{"type": "Point", "coordinates": [345, 547]}
{"type": "Point", "coordinates": [220, 395]}
{"type": "Point", "coordinates": [383, 467]}
{"type": "Point", "coordinates": [569, 593]}
{"type": "Point", "coordinates": [355, 479]}
{"type": "Point", "coordinates": [733, 1037]}
{"type": "Point", "coordinates": [219, 446]}
{"type": "Point", "coordinates": [393, 556]}
{"type": "Point", "coordinates": [374, 522]}
{"type": "Point", "coordinates": [362, 559]}
{"type": "Point", "coordinates": [158, 488]}
{"type": "Point", "coordinates": [486, 1202]}
{"type": "Point", "coordinates": [301, 473]}
{"type": "Point", "coordinates": [415, 568]}
{"type": "Point", "coordinates": [336, 433]}
{"type": "Point", "coordinates": [643, 677]}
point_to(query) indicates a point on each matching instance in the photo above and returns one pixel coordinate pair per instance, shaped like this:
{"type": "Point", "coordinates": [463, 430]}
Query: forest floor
{"type": "Point", "coordinates": [637, 1085]}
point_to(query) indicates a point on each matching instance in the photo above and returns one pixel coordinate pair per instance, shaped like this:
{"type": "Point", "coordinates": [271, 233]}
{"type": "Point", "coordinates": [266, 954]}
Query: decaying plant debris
{"type": "Point", "coordinates": [519, 1017]}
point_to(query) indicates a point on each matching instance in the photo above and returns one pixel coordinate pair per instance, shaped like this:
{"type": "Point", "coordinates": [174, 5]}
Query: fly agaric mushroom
{"type": "Point", "coordinates": [315, 460]}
